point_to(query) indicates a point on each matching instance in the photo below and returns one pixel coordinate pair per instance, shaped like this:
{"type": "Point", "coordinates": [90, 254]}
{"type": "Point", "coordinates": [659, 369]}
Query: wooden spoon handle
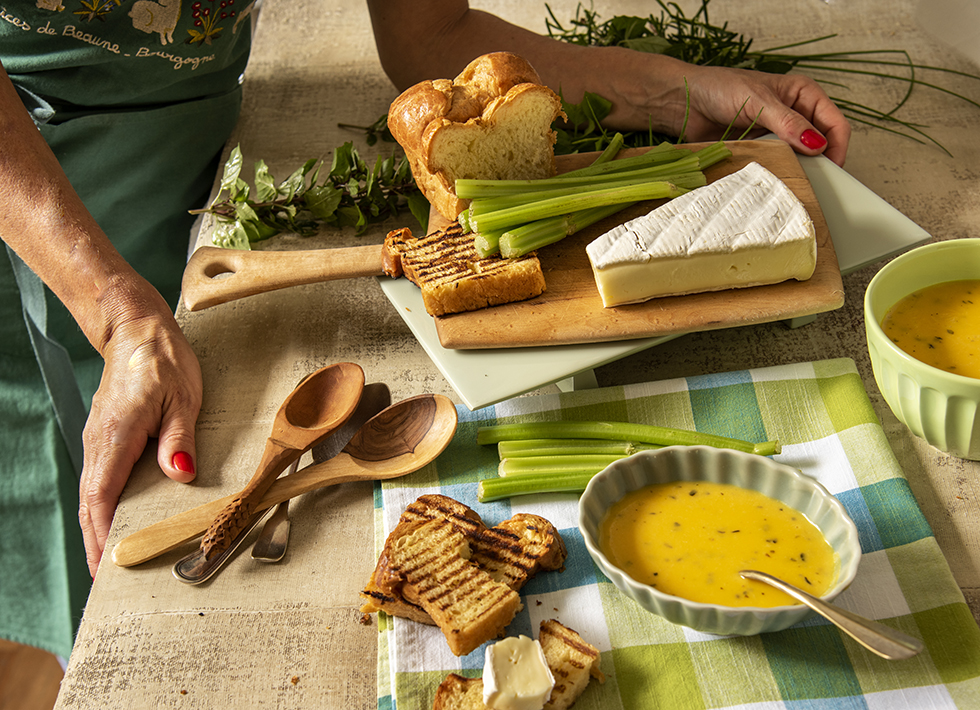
{"type": "Point", "coordinates": [213, 276]}
{"type": "Point", "coordinates": [238, 513]}
{"type": "Point", "coordinates": [167, 534]}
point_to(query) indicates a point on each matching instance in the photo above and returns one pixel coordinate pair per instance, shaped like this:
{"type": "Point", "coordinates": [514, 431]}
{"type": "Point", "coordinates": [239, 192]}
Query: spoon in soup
{"type": "Point", "coordinates": [397, 441]}
{"type": "Point", "coordinates": [885, 641]}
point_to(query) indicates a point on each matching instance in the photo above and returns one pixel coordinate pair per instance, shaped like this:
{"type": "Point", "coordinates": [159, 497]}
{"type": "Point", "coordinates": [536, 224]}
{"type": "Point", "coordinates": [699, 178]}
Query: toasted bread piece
{"type": "Point", "coordinates": [511, 553]}
{"type": "Point", "coordinates": [459, 693]}
{"type": "Point", "coordinates": [453, 278]}
{"type": "Point", "coordinates": [571, 659]}
{"type": "Point", "coordinates": [466, 604]}
{"type": "Point", "coordinates": [572, 662]}
{"type": "Point", "coordinates": [492, 121]}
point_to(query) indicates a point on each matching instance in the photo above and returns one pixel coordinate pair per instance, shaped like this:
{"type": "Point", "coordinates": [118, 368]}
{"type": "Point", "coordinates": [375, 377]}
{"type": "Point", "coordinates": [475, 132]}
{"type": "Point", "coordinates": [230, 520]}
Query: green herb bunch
{"type": "Point", "coordinates": [697, 41]}
{"type": "Point", "coordinates": [350, 195]}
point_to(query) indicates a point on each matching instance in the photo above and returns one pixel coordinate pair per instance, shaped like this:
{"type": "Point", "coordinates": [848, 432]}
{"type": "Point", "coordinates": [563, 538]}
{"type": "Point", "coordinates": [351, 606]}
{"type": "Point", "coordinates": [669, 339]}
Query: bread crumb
{"type": "Point", "coordinates": [365, 619]}
{"type": "Point", "coordinates": [294, 680]}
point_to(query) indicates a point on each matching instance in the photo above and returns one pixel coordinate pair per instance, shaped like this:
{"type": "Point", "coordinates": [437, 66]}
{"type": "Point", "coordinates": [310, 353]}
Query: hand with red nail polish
{"type": "Point", "coordinates": [151, 387]}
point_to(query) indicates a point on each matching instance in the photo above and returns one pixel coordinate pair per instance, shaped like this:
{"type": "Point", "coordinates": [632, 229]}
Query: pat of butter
{"type": "Point", "coordinates": [516, 675]}
{"type": "Point", "coordinates": [745, 229]}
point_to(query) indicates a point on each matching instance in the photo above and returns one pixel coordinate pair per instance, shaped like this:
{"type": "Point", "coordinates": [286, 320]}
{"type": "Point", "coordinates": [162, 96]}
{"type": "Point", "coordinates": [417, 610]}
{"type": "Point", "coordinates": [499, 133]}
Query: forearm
{"type": "Point", "coordinates": [45, 222]}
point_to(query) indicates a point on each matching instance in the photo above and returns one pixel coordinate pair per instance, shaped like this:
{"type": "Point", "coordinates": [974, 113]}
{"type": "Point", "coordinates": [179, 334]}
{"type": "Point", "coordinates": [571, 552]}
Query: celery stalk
{"type": "Point", "coordinates": [574, 463]}
{"type": "Point", "coordinates": [514, 216]}
{"type": "Point", "coordinates": [644, 433]}
{"type": "Point", "coordinates": [526, 238]}
{"type": "Point", "coordinates": [518, 448]}
{"type": "Point", "coordinates": [487, 244]}
{"type": "Point", "coordinates": [496, 488]}
{"type": "Point", "coordinates": [672, 173]}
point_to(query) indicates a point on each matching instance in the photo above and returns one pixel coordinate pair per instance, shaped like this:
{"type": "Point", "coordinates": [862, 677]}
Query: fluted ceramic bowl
{"type": "Point", "coordinates": [703, 463]}
{"type": "Point", "coordinates": [938, 406]}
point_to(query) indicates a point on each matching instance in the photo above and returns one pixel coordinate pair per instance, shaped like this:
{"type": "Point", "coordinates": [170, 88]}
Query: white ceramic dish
{"type": "Point", "coordinates": [863, 226]}
{"type": "Point", "coordinates": [702, 463]}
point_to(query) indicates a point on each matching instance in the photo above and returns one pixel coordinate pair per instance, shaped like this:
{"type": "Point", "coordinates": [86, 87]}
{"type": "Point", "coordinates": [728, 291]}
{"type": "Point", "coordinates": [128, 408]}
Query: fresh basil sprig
{"type": "Point", "coordinates": [350, 195]}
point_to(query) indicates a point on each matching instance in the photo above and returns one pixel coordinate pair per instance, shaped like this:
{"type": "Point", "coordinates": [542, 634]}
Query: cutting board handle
{"type": "Point", "coordinates": [214, 276]}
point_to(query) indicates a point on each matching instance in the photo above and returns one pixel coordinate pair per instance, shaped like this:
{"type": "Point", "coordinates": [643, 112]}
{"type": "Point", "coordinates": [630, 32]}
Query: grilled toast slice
{"type": "Point", "coordinates": [571, 659]}
{"type": "Point", "coordinates": [452, 277]}
{"type": "Point", "coordinates": [511, 552]}
{"type": "Point", "coordinates": [465, 603]}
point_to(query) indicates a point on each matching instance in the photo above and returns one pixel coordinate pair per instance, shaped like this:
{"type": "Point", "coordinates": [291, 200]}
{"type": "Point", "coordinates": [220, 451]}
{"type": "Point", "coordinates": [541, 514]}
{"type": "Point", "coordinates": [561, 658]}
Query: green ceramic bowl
{"type": "Point", "coordinates": [938, 406]}
{"type": "Point", "coordinates": [705, 463]}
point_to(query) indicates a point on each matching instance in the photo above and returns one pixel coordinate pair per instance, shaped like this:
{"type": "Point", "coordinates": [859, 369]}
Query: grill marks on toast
{"type": "Point", "coordinates": [453, 278]}
{"type": "Point", "coordinates": [502, 559]}
{"type": "Point", "coordinates": [571, 659]}
{"type": "Point", "coordinates": [467, 605]}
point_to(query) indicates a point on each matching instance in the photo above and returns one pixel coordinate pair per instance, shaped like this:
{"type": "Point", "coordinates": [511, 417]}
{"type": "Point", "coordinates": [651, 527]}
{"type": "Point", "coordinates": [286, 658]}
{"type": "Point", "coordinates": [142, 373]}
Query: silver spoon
{"type": "Point", "coordinates": [885, 641]}
{"type": "Point", "coordinates": [195, 568]}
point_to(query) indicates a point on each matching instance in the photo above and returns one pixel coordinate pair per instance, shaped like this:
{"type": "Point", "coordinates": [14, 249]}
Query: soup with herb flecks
{"type": "Point", "coordinates": [939, 325]}
{"type": "Point", "coordinates": [690, 539]}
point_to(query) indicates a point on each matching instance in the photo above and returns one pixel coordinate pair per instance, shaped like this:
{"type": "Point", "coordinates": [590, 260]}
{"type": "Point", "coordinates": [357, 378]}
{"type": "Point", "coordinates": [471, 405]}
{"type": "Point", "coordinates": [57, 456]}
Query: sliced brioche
{"type": "Point", "coordinates": [510, 553]}
{"type": "Point", "coordinates": [571, 659]}
{"type": "Point", "coordinates": [572, 662]}
{"type": "Point", "coordinates": [513, 551]}
{"type": "Point", "coordinates": [465, 603]}
{"type": "Point", "coordinates": [459, 693]}
{"type": "Point", "coordinates": [453, 278]}
{"type": "Point", "coordinates": [492, 121]}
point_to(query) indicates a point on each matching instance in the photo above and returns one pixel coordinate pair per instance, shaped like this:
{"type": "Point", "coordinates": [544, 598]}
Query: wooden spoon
{"type": "Point", "coordinates": [413, 432]}
{"type": "Point", "coordinates": [213, 275]}
{"type": "Point", "coordinates": [320, 404]}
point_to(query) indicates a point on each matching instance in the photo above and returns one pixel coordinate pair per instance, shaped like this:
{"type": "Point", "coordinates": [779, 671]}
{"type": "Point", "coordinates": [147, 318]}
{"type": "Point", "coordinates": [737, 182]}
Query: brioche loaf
{"type": "Point", "coordinates": [453, 278]}
{"type": "Point", "coordinates": [492, 121]}
{"type": "Point", "coordinates": [570, 658]}
{"type": "Point", "coordinates": [509, 554]}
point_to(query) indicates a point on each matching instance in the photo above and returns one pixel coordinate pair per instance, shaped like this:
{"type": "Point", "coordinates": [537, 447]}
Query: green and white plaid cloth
{"type": "Point", "coordinates": [821, 414]}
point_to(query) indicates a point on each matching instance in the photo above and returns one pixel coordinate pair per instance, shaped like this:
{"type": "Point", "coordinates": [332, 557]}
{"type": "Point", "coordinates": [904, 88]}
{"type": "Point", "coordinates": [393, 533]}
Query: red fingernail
{"type": "Point", "coordinates": [813, 140]}
{"type": "Point", "coordinates": [183, 462]}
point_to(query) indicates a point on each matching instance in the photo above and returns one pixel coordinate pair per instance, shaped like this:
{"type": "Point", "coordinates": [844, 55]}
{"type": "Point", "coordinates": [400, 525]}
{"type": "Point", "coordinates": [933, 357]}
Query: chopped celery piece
{"type": "Point", "coordinates": [534, 235]}
{"type": "Point", "coordinates": [645, 433]}
{"type": "Point", "coordinates": [573, 463]}
{"type": "Point", "coordinates": [516, 448]}
{"type": "Point", "coordinates": [491, 489]}
{"type": "Point", "coordinates": [514, 216]}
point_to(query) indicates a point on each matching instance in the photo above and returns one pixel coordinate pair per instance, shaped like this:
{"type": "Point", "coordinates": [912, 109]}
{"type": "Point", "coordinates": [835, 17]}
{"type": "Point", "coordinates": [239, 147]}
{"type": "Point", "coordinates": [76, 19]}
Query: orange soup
{"type": "Point", "coordinates": [939, 325]}
{"type": "Point", "coordinates": [691, 539]}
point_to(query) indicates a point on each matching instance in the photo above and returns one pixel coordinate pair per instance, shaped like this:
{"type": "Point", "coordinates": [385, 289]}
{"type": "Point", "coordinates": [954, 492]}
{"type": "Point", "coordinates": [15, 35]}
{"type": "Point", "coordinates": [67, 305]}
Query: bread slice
{"type": "Point", "coordinates": [571, 659]}
{"type": "Point", "coordinates": [492, 121]}
{"type": "Point", "coordinates": [510, 553]}
{"type": "Point", "coordinates": [465, 603]}
{"type": "Point", "coordinates": [453, 277]}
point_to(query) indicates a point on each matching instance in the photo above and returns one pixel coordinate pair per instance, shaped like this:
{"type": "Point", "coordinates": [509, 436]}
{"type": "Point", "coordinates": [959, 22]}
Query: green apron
{"type": "Point", "coordinates": [136, 98]}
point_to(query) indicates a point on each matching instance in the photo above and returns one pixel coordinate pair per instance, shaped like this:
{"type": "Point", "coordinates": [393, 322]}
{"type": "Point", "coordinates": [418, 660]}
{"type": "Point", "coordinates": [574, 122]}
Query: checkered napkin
{"type": "Point", "coordinates": [821, 415]}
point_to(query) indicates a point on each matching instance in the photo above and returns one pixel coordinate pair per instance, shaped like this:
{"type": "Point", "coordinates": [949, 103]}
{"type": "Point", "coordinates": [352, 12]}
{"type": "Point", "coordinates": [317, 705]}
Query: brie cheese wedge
{"type": "Point", "coordinates": [745, 229]}
{"type": "Point", "coordinates": [516, 675]}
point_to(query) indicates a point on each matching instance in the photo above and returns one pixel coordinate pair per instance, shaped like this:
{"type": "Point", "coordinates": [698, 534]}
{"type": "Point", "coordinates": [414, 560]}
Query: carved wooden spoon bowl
{"type": "Point", "coordinates": [397, 441]}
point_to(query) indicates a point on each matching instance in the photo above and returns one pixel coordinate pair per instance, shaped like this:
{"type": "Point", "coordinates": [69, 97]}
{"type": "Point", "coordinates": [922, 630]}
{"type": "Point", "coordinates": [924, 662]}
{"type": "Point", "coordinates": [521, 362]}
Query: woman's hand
{"type": "Point", "coordinates": [434, 39]}
{"type": "Point", "coordinates": [792, 106]}
{"type": "Point", "coordinates": [151, 387]}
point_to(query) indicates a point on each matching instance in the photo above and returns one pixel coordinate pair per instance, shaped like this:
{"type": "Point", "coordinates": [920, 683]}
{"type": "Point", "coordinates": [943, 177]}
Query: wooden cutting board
{"type": "Point", "coordinates": [571, 311]}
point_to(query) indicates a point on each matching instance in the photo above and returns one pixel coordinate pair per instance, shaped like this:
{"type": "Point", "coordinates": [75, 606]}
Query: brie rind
{"type": "Point", "coordinates": [745, 229]}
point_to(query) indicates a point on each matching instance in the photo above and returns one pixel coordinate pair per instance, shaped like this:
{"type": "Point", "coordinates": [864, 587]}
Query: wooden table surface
{"type": "Point", "coordinates": [290, 634]}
